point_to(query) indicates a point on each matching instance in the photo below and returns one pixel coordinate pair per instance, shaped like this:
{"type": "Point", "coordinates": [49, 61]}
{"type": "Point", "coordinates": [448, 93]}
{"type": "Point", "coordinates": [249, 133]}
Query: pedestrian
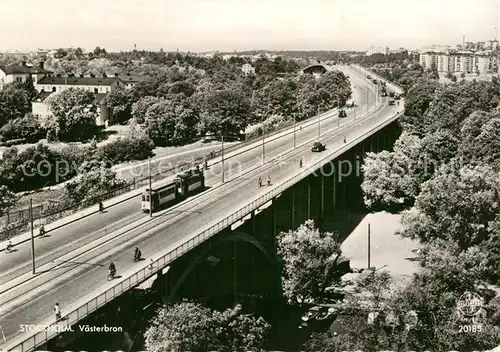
{"type": "Point", "coordinates": [345, 141]}
{"type": "Point", "coordinates": [57, 310]}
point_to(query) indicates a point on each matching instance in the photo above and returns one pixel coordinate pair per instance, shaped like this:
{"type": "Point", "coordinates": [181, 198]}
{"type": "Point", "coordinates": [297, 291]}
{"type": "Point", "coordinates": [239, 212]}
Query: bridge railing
{"type": "Point", "coordinates": [107, 293]}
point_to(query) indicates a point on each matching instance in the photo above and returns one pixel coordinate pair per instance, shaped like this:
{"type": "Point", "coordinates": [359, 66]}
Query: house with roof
{"type": "Point", "coordinates": [19, 73]}
{"type": "Point", "coordinates": [130, 80]}
{"type": "Point", "coordinates": [100, 86]}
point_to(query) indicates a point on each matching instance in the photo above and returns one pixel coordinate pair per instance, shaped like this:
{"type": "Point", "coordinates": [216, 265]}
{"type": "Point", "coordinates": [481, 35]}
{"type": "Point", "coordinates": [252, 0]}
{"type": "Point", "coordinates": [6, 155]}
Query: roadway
{"type": "Point", "coordinates": [73, 261]}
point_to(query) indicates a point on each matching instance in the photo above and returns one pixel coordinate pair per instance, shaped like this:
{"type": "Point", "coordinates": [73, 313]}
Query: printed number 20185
{"type": "Point", "coordinates": [470, 328]}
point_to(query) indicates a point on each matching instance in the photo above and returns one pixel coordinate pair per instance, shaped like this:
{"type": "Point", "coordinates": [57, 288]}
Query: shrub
{"type": "Point", "coordinates": [126, 149]}
{"type": "Point", "coordinates": [27, 127]}
{"type": "Point", "coordinates": [271, 124]}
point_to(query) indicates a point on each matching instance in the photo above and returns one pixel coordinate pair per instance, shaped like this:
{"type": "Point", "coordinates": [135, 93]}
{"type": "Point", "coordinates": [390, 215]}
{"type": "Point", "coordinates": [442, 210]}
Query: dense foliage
{"type": "Point", "coordinates": [455, 124]}
{"type": "Point", "coordinates": [75, 112]}
{"type": "Point", "coordinates": [28, 128]}
{"type": "Point", "coordinates": [7, 199]}
{"type": "Point", "coordinates": [126, 149]}
{"type": "Point", "coordinates": [374, 317]}
{"type": "Point", "coordinates": [192, 327]}
{"type": "Point", "coordinates": [310, 261]}
{"type": "Point", "coordinates": [15, 102]}
{"type": "Point", "coordinates": [95, 178]}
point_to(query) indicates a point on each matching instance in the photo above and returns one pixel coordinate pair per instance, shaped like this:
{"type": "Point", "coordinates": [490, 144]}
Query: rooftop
{"type": "Point", "coordinates": [42, 96]}
{"type": "Point", "coordinates": [128, 78]}
{"type": "Point", "coordinates": [79, 81]}
{"type": "Point", "coordinates": [13, 69]}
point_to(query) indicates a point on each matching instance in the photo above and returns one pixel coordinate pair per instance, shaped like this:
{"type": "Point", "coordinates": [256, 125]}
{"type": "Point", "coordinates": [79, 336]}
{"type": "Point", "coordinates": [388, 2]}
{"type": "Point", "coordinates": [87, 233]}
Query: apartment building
{"type": "Point", "coordinates": [462, 61]}
{"type": "Point", "coordinates": [19, 73]}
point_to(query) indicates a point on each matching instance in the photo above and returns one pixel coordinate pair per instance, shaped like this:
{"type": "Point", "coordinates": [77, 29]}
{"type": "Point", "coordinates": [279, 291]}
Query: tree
{"type": "Point", "coordinates": [457, 205]}
{"type": "Point", "coordinates": [75, 113]}
{"type": "Point", "coordinates": [431, 296]}
{"type": "Point", "coordinates": [7, 199]}
{"type": "Point", "coordinates": [33, 168]}
{"type": "Point", "coordinates": [126, 149]}
{"type": "Point", "coordinates": [60, 53]}
{"type": "Point", "coordinates": [120, 103]}
{"type": "Point", "coordinates": [391, 180]}
{"type": "Point", "coordinates": [98, 52]}
{"type": "Point", "coordinates": [29, 87]}
{"type": "Point", "coordinates": [225, 112]}
{"type": "Point", "coordinates": [276, 98]}
{"type": "Point", "coordinates": [27, 127]}
{"type": "Point", "coordinates": [78, 52]}
{"type": "Point", "coordinates": [140, 108]}
{"type": "Point", "coordinates": [94, 180]}
{"type": "Point", "coordinates": [310, 261]}
{"type": "Point", "coordinates": [191, 327]}
{"type": "Point", "coordinates": [480, 142]}
{"type": "Point", "coordinates": [15, 102]}
{"type": "Point", "coordinates": [170, 121]}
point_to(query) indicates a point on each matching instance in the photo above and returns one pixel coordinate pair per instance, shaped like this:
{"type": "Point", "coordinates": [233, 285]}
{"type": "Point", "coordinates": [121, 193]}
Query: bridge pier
{"type": "Point", "coordinates": [309, 180]}
{"type": "Point", "coordinates": [322, 201]}
{"type": "Point", "coordinates": [274, 220]}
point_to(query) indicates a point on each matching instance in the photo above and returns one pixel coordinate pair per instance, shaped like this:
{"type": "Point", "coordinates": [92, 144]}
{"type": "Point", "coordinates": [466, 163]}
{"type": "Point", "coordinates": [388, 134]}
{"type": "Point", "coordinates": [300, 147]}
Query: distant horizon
{"type": "Point", "coordinates": [201, 26]}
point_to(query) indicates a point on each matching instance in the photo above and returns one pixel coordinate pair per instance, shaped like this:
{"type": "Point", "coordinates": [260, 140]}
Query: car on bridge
{"type": "Point", "coordinates": [342, 113]}
{"type": "Point", "coordinates": [318, 147]}
{"type": "Point", "coordinates": [392, 102]}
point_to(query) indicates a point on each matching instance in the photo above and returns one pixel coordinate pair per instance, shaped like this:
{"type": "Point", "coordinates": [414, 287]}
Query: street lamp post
{"type": "Point", "coordinates": [319, 123]}
{"type": "Point", "coordinates": [367, 100]}
{"type": "Point", "coordinates": [222, 157]}
{"type": "Point", "coordinates": [32, 238]}
{"type": "Point", "coordinates": [294, 122]}
{"type": "Point", "coordinates": [150, 196]}
{"type": "Point", "coordinates": [263, 143]}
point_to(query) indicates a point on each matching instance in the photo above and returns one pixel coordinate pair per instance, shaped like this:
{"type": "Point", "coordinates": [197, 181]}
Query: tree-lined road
{"type": "Point", "coordinates": [73, 261]}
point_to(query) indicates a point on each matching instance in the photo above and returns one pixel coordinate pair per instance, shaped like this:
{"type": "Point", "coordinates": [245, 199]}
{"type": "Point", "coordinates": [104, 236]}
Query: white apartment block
{"type": "Point", "coordinates": [467, 62]}
{"type": "Point", "coordinates": [377, 50]}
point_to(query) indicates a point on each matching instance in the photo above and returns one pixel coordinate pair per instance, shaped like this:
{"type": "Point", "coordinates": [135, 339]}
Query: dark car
{"type": "Point", "coordinates": [391, 102]}
{"type": "Point", "coordinates": [342, 113]}
{"type": "Point", "coordinates": [318, 147]}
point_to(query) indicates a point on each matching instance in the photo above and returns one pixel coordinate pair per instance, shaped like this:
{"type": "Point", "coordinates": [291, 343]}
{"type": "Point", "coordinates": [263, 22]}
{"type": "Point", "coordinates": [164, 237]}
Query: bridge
{"type": "Point", "coordinates": [72, 262]}
{"type": "Point", "coordinates": [316, 69]}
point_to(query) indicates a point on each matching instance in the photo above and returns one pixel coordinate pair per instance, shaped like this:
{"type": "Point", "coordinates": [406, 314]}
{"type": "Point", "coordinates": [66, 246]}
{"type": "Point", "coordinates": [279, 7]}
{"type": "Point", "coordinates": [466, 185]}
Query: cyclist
{"type": "Point", "coordinates": [269, 180]}
{"type": "Point", "coordinates": [42, 231]}
{"type": "Point", "coordinates": [9, 247]}
{"type": "Point", "coordinates": [301, 162]}
{"type": "Point", "coordinates": [101, 206]}
{"type": "Point", "coordinates": [137, 253]}
{"type": "Point", "coordinates": [112, 269]}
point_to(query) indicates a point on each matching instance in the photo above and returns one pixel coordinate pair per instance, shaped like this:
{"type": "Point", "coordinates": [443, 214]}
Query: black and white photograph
{"type": "Point", "coordinates": [249, 175]}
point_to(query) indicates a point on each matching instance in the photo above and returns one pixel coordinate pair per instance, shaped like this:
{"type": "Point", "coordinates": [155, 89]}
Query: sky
{"type": "Point", "coordinates": [229, 25]}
